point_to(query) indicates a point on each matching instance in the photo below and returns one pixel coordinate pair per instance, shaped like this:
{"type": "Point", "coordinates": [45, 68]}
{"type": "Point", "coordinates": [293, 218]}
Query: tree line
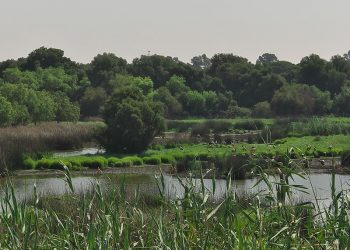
{"type": "Point", "coordinates": [47, 86]}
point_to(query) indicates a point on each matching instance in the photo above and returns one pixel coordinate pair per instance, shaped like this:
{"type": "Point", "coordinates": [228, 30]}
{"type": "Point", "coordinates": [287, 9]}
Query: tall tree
{"type": "Point", "coordinates": [267, 58]}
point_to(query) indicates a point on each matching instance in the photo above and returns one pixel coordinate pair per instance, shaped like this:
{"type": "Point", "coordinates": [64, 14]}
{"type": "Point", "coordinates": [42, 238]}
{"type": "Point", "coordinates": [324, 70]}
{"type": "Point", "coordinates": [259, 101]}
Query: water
{"type": "Point", "coordinates": [84, 151]}
{"type": "Point", "coordinates": [318, 185]}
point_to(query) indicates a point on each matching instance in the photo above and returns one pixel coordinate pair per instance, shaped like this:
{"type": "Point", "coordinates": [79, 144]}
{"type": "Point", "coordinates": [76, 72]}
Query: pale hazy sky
{"type": "Point", "coordinates": [183, 28]}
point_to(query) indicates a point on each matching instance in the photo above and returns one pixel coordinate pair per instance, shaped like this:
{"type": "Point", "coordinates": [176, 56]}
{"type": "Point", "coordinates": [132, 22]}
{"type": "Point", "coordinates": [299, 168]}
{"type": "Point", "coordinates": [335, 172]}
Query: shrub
{"type": "Point", "coordinates": [262, 110]}
{"type": "Point", "coordinates": [55, 164]}
{"type": "Point", "coordinates": [203, 156]}
{"type": "Point", "coordinates": [123, 163]}
{"type": "Point", "coordinates": [167, 159]}
{"type": "Point", "coordinates": [201, 129]}
{"type": "Point", "coordinates": [95, 162]}
{"type": "Point", "coordinates": [152, 160]}
{"type": "Point", "coordinates": [29, 163]}
{"type": "Point", "coordinates": [132, 121]}
{"type": "Point", "coordinates": [43, 164]}
{"type": "Point", "coordinates": [75, 164]}
{"type": "Point", "coordinates": [218, 126]}
{"type": "Point", "coordinates": [250, 125]}
{"type": "Point", "coordinates": [112, 161]}
{"type": "Point", "coordinates": [345, 158]}
{"type": "Point", "coordinates": [179, 126]}
{"type": "Point", "coordinates": [136, 161]}
{"type": "Point", "coordinates": [235, 111]}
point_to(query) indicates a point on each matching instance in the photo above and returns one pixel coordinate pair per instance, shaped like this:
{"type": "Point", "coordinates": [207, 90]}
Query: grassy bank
{"type": "Point", "coordinates": [44, 137]}
{"type": "Point", "coordinates": [112, 219]}
{"type": "Point", "coordinates": [224, 158]}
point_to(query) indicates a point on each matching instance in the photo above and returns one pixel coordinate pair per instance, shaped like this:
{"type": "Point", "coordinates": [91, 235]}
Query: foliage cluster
{"type": "Point", "coordinates": [225, 85]}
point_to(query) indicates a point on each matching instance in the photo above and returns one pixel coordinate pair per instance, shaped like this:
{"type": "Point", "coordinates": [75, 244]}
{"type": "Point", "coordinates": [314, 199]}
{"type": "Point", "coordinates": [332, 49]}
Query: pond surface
{"type": "Point", "coordinates": [318, 185]}
{"type": "Point", "coordinates": [84, 151]}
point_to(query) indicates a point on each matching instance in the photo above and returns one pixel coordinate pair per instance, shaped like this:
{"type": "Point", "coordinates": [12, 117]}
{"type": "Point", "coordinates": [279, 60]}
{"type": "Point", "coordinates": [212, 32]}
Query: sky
{"type": "Point", "coordinates": [180, 28]}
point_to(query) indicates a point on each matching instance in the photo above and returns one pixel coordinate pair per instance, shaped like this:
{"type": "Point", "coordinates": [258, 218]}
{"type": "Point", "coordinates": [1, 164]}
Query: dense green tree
{"type": "Point", "coordinates": [161, 68]}
{"type": "Point", "coordinates": [145, 84]}
{"type": "Point", "coordinates": [21, 114]}
{"type": "Point", "coordinates": [42, 106]}
{"type": "Point", "coordinates": [267, 58]}
{"type": "Point", "coordinates": [342, 102]}
{"type": "Point", "coordinates": [194, 103]}
{"type": "Point", "coordinates": [93, 101]}
{"type": "Point", "coordinates": [7, 65]}
{"type": "Point", "coordinates": [300, 99]}
{"type": "Point", "coordinates": [45, 58]}
{"type": "Point", "coordinates": [201, 62]}
{"type": "Point", "coordinates": [173, 107]}
{"type": "Point", "coordinates": [177, 85]}
{"type": "Point", "coordinates": [6, 112]}
{"type": "Point", "coordinates": [262, 110]}
{"type": "Point", "coordinates": [132, 121]}
{"type": "Point", "coordinates": [66, 110]}
{"type": "Point", "coordinates": [104, 67]}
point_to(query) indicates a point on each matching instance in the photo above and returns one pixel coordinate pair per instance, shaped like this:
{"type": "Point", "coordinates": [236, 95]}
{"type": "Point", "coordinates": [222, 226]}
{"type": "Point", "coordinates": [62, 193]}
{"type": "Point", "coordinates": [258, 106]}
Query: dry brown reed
{"type": "Point", "coordinates": [44, 137]}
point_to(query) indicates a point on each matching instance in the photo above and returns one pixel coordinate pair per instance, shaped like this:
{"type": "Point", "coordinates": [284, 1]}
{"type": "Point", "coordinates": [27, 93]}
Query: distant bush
{"type": "Point", "coordinates": [136, 161]}
{"type": "Point", "coordinates": [250, 125]}
{"type": "Point", "coordinates": [52, 164]}
{"type": "Point", "coordinates": [200, 129]}
{"type": "Point", "coordinates": [29, 163]}
{"type": "Point", "coordinates": [345, 158]}
{"type": "Point", "coordinates": [167, 159]}
{"type": "Point", "coordinates": [94, 162]}
{"type": "Point", "coordinates": [152, 160]}
{"type": "Point", "coordinates": [179, 126]}
{"type": "Point", "coordinates": [262, 110]}
{"type": "Point", "coordinates": [319, 126]}
{"type": "Point", "coordinates": [218, 126]}
{"type": "Point", "coordinates": [235, 111]}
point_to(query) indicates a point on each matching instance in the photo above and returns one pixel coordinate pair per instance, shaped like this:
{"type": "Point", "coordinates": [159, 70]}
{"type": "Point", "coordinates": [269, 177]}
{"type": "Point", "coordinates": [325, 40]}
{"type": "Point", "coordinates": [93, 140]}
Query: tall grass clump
{"type": "Point", "coordinates": [319, 126]}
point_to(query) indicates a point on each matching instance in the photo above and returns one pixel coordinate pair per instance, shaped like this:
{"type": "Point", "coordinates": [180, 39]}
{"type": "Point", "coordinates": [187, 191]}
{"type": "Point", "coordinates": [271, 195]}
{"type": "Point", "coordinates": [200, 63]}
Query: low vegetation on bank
{"type": "Point", "coordinates": [224, 158]}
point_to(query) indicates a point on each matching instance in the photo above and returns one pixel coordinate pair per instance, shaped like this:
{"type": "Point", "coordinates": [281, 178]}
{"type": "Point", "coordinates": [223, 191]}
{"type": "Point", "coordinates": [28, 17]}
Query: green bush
{"type": "Point", "coordinates": [124, 162]}
{"type": "Point", "coordinates": [179, 126]}
{"type": "Point", "coordinates": [178, 156]}
{"type": "Point", "coordinates": [95, 162]}
{"type": "Point", "coordinates": [152, 160]}
{"type": "Point", "coordinates": [75, 164]}
{"type": "Point", "coordinates": [167, 159]}
{"type": "Point", "coordinates": [201, 129]}
{"type": "Point", "coordinates": [112, 161]}
{"type": "Point", "coordinates": [218, 126]}
{"type": "Point", "coordinates": [55, 164]}
{"type": "Point", "coordinates": [43, 164]}
{"type": "Point", "coordinates": [203, 156]}
{"type": "Point", "coordinates": [250, 125]}
{"type": "Point", "coordinates": [345, 158]}
{"type": "Point", "coordinates": [29, 163]}
{"type": "Point", "coordinates": [136, 161]}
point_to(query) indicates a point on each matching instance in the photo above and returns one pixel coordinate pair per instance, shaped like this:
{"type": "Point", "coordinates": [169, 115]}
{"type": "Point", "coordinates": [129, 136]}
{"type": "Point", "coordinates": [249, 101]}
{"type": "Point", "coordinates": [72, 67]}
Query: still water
{"type": "Point", "coordinates": [317, 184]}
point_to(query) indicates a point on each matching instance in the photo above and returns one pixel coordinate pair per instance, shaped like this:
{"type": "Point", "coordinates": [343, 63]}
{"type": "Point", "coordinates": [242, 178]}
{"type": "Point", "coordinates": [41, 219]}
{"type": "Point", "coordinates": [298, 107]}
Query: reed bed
{"type": "Point", "coordinates": [114, 220]}
{"type": "Point", "coordinates": [41, 138]}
